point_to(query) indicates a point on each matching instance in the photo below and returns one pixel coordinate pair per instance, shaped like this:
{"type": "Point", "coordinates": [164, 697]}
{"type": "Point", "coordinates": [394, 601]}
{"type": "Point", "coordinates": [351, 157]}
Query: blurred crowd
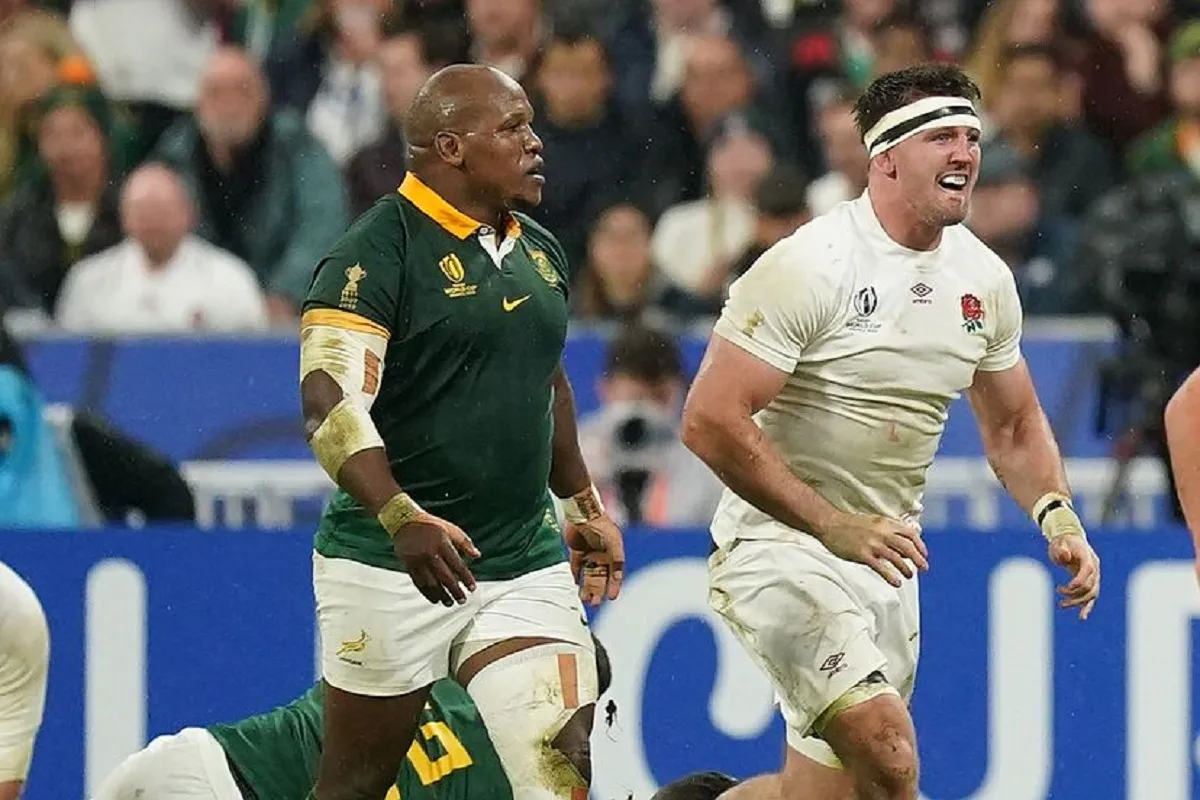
{"type": "Point", "coordinates": [181, 165]}
{"type": "Point", "coordinates": [172, 165]}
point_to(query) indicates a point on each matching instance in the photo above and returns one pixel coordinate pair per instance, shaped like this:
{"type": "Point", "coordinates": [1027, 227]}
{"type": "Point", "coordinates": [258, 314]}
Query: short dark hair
{"type": "Point", "coordinates": [1047, 52]}
{"type": "Point", "coordinates": [573, 33]}
{"type": "Point", "coordinates": [644, 354]}
{"type": "Point", "coordinates": [896, 89]}
{"type": "Point", "coordinates": [697, 786]}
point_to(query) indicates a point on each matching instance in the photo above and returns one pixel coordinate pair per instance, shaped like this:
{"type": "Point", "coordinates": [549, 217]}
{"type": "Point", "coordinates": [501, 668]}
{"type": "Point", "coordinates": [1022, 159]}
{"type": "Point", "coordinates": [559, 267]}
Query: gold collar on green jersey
{"type": "Point", "coordinates": [434, 206]}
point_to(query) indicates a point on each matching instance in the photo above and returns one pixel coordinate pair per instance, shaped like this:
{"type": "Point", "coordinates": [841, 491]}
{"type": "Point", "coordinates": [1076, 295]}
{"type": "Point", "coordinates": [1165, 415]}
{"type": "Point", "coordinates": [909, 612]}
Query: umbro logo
{"type": "Point", "coordinates": [921, 292]}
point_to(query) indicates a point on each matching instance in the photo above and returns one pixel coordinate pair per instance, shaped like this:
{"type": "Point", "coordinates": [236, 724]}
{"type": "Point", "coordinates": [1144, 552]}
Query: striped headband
{"type": "Point", "coordinates": [919, 115]}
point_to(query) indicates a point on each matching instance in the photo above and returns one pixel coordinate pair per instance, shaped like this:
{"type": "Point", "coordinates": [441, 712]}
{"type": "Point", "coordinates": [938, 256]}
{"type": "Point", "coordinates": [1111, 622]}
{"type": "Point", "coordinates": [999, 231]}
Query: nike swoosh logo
{"type": "Point", "coordinates": [509, 305]}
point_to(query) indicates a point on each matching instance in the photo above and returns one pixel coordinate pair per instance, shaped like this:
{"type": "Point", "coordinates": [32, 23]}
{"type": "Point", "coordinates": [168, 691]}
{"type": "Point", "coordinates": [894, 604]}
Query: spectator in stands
{"type": "Point", "coordinates": [328, 71]}
{"type": "Point", "coordinates": [590, 147]}
{"type": "Point", "coordinates": [379, 167]}
{"type": "Point", "coordinates": [643, 472]}
{"type": "Point", "coordinates": [1175, 144]}
{"type": "Point", "coordinates": [618, 281]}
{"type": "Point", "coordinates": [149, 57]}
{"type": "Point", "coordinates": [266, 190]}
{"type": "Point", "coordinates": [1007, 215]}
{"type": "Point", "coordinates": [650, 47]}
{"type": "Point", "coordinates": [1122, 67]}
{"type": "Point", "coordinates": [505, 34]}
{"type": "Point", "coordinates": [162, 278]}
{"type": "Point", "coordinates": [33, 45]}
{"type": "Point", "coordinates": [68, 212]}
{"type": "Point", "coordinates": [780, 206]}
{"type": "Point", "coordinates": [1071, 165]}
{"type": "Point", "coordinates": [899, 41]}
{"type": "Point", "coordinates": [696, 243]}
{"type": "Point", "coordinates": [1004, 24]}
{"type": "Point", "coordinates": [716, 84]}
{"type": "Point", "coordinates": [845, 156]}
{"type": "Point", "coordinates": [254, 25]}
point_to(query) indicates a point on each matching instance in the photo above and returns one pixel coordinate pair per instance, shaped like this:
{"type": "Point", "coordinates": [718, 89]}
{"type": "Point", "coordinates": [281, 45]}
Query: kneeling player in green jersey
{"type": "Point", "coordinates": [274, 756]}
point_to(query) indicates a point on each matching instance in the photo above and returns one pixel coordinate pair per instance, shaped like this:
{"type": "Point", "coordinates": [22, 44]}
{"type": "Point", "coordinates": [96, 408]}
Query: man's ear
{"type": "Point", "coordinates": [449, 147]}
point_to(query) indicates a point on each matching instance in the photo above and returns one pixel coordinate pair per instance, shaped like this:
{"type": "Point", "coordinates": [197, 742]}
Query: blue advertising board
{"type": "Point", "coordinates": [219, 398]}
{"type": "Point", "coordinates": [160, 629]}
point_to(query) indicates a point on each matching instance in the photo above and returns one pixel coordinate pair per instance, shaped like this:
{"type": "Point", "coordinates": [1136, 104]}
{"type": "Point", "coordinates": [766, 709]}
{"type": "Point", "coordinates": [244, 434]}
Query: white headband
{"type": "Point", "coordinates": [920, 115]}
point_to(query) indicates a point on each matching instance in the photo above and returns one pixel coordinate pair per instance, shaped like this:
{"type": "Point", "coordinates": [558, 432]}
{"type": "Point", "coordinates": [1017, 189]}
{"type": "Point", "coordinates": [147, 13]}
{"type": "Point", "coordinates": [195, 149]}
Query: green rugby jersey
{"type": "Point", "coordinates": [465, 404]}
{"type": "Point", "coordinates": [452, 758]}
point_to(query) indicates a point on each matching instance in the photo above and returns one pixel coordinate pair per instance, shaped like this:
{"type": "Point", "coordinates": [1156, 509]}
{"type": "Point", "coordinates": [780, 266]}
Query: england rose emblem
{"type": "Point", "coordinates": [972, 311]}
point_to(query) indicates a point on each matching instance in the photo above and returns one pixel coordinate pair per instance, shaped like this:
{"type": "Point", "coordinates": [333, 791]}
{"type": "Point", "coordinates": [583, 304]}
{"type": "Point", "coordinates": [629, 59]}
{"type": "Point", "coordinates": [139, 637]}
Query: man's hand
{"type": "Point", "coordinates": [597, 554]}
{"type": "Point", "coordinates": [429, 548]}
{"type": "Point", "coordinates": [879, 542]}
{"type": "Point", "coordinates": [1073, 553]}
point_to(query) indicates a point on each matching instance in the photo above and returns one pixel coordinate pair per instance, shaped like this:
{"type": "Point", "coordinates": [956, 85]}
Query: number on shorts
{"type": "Point", "coordinates": [433, 770]}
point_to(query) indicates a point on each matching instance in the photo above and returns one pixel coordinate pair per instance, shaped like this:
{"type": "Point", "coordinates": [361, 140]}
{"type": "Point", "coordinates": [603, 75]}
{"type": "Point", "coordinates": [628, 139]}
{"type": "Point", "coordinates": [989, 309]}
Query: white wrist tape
{"type": "Point", "coordinates": [583, 506]}
{"type": "Point", "coordinates": [1055, 515]}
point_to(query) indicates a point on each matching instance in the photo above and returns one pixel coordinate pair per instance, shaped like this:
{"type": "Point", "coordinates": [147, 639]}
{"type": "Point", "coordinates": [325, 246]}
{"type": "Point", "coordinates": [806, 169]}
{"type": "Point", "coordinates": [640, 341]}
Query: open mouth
{"type": "Point", "coordinates": [954, 181]}
{"type": "Point", "coordinates": [535, 171]}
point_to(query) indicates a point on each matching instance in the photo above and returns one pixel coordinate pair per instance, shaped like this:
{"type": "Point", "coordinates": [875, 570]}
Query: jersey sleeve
{"type": "Point", "coordinates": [1004, 345]}
{"type": "Point", "coordinates": [358, 283]}
{"type": "Point", "coordinates": [778, 307]}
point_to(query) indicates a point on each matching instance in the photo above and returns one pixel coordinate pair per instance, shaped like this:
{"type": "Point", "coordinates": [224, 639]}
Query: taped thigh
{"type": "Point", "coordinates": [537, 706]}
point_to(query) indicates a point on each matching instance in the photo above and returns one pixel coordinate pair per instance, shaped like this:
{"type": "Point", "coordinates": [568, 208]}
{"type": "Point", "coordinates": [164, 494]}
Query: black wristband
{"type": "Point", "coordinates": [1053, 504]}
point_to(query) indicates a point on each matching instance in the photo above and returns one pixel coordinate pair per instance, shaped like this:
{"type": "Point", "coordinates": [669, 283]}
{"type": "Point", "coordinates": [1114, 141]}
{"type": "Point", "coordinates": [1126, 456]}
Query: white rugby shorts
{"type": "Point", "coordinates": [381, 637]}
{"type": "Point", "coordinates": [189, 765]}
{"type": "Point", "coordinates": [816, 625]}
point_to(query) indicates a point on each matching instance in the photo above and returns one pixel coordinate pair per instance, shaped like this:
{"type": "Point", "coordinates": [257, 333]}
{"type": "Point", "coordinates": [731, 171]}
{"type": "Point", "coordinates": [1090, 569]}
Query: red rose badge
{"type": "Point", "coordinates": [972, 311]}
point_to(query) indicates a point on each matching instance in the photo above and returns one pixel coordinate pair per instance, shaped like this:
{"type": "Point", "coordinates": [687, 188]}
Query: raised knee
{"type": "Point", "coordinates": [573, 744]}
{"type": "Point", "coordinates": [888, 767]}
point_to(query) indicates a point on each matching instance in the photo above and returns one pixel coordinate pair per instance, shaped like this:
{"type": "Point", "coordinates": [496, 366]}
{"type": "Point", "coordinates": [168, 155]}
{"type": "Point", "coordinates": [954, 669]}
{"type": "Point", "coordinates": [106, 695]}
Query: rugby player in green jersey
{"type": "Point", "coordinates": [434, 395]}
{"type": "Point", "coordinates": [274, 756]}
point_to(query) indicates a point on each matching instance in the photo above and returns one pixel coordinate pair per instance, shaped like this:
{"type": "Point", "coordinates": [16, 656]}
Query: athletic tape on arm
{"type": "Point", "coordinates": [354, 360]}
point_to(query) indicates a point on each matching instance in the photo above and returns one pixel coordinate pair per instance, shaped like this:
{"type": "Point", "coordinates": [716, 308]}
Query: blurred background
{"type": "Point", "coordinates": [172, 170]}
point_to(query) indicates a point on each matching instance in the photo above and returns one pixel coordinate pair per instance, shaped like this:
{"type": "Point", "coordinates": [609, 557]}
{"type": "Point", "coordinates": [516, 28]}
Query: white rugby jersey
{"type": "Point", "coordinates": [878, 340]}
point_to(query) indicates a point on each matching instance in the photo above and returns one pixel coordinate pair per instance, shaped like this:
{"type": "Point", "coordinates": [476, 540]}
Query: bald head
{"type": "Point", "coordinates": [454, 99]}
{"type": "Point", "coordinates": [156, 210]}
{"type": "Point", "coordinates": [233, 98]}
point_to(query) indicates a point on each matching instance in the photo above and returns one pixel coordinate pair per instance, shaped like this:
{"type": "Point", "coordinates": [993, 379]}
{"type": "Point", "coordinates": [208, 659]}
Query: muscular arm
{"type": "Point", "coordinates": [731, 386]}
{"type": "Point", "coordinates": [365, 475]}
{"type": "Point", "coordinates": [568, 472]}
{"type": "Point", "coordinates": [1016, 435]}
{"type": "Point", "coordinates": [1182, 421]}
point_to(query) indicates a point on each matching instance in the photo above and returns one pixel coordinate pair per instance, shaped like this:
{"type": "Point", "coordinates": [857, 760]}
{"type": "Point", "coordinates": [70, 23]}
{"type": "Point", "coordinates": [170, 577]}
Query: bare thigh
{"type": "Point", "coordinates": [365, 741]}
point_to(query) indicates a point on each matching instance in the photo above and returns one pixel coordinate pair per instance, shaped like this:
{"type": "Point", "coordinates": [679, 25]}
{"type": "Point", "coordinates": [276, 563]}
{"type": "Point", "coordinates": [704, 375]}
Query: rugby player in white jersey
{"type": "Point", "coordinates": [1181, 423]}
{"type": "Point", "coordinates": [820, 404]}
{"type": "Point", "coordinates": [24, 666]}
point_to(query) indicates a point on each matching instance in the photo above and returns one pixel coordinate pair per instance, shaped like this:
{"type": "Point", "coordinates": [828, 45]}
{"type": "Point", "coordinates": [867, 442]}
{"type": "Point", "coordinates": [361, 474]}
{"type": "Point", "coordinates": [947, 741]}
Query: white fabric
{"type": "Point", "coordinates": [381, 637]}
{"type": "Point", "coordinates": [144, 50]}
{"type": "Point", "coordinates": [816, 625]}
{"type": "Point", "coordinates": [24, 666]}
{"type": "Point", "coordinates": [201, 288]}
{"type": "Point", "coordinates": [876, 345]}
{"type": "Point", "coordinates": [914, 110]}
{"type": "Point", "coordinates": [524, 702]}
{"type": "Point", "coordinates": [189, 765]}
{"type": "Point", "coordinates": [348, 111]}
{"type": "Point", "coordinates": [691, 238]}
{"type": "Point", "coordinates": [74, 221]}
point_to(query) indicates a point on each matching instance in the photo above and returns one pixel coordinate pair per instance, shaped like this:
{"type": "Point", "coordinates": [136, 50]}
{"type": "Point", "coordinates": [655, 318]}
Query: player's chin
{"type": "Point", "coordinates": [530, 193]}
